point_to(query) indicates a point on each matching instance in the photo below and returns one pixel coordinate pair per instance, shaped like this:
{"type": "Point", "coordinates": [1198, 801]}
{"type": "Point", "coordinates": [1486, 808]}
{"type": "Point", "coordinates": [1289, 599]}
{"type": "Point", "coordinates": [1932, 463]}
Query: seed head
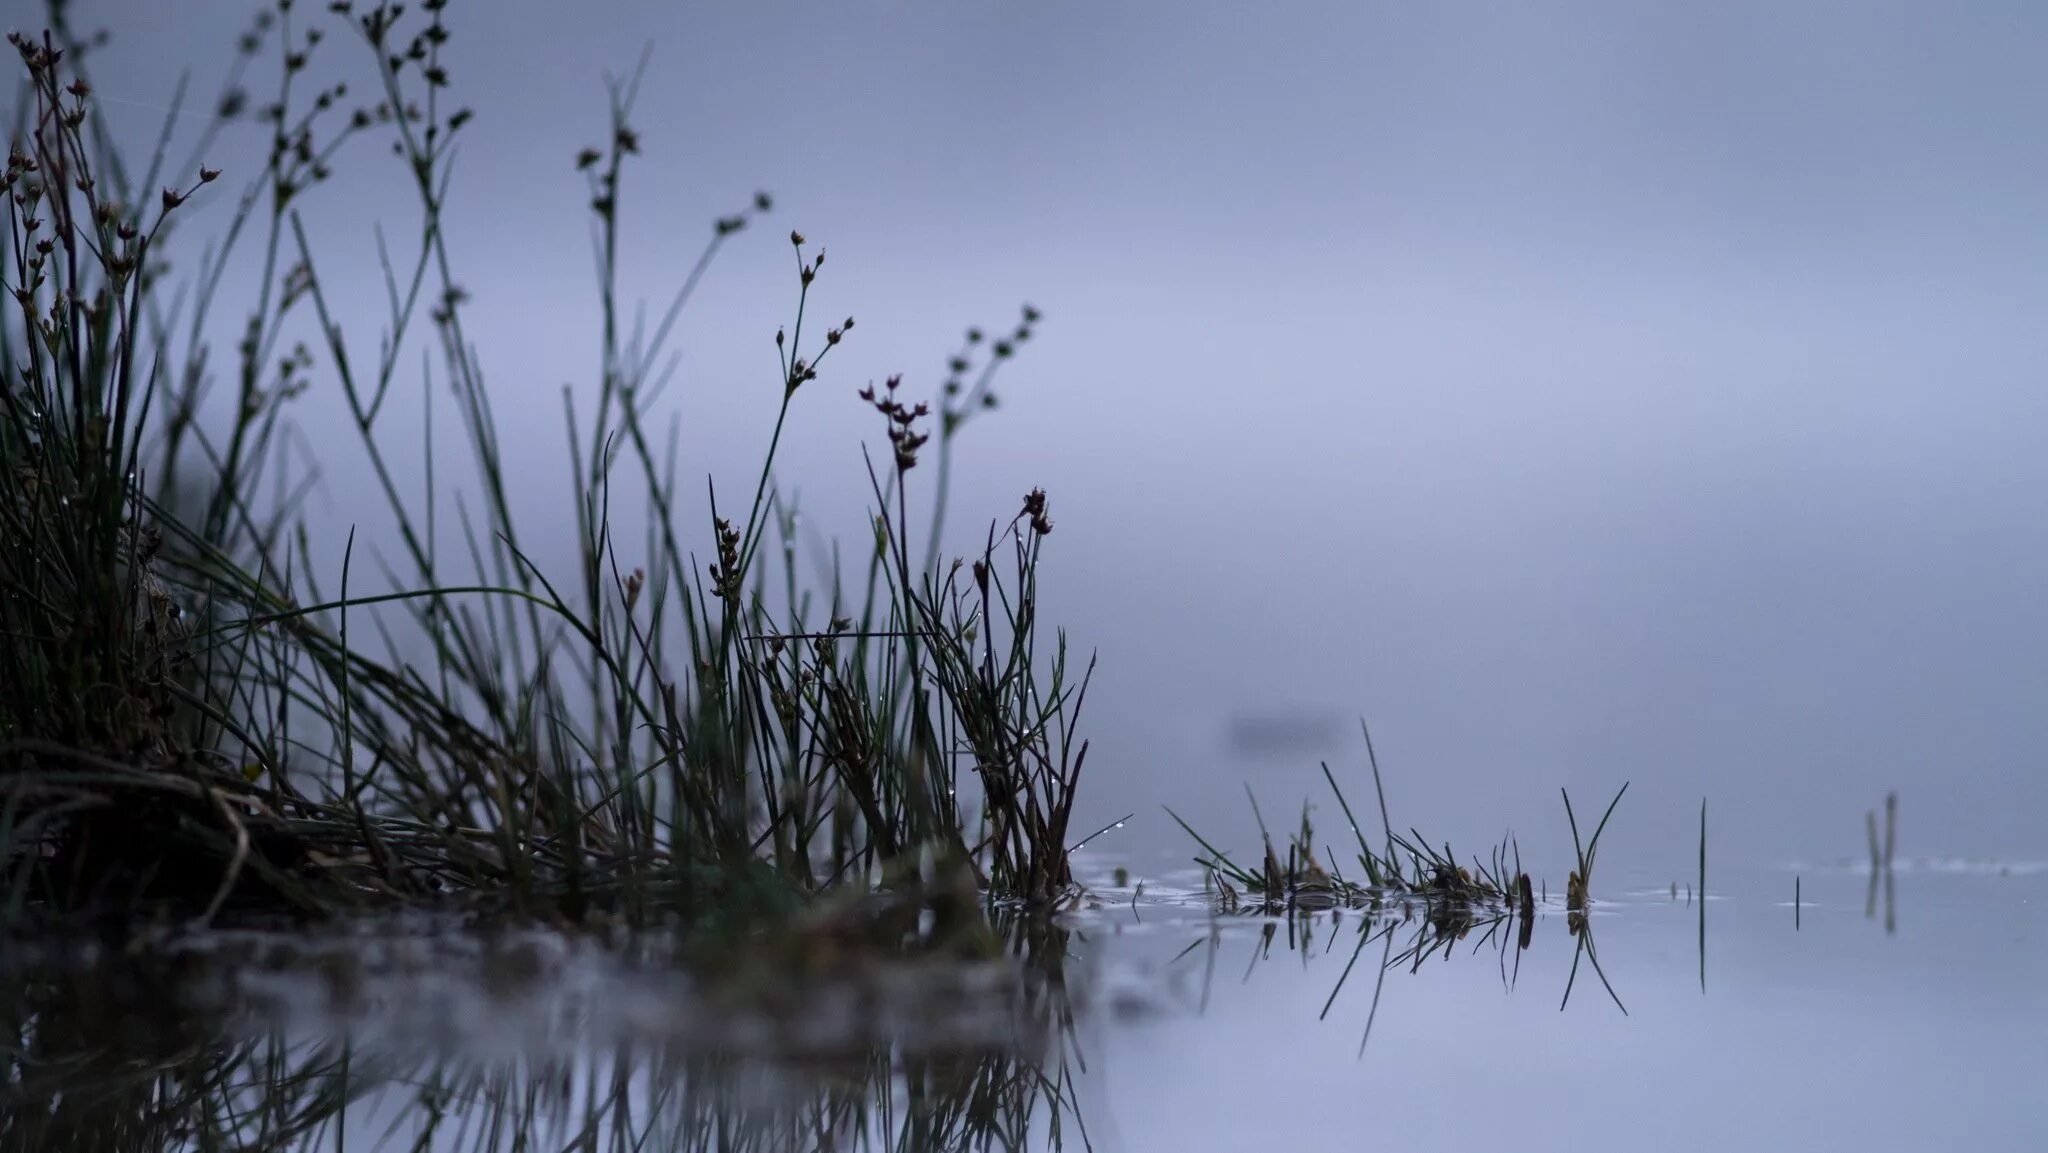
{"type": "Point", "coordinates": [1034, 511]}
{"type": "Point", "coordinates": [634, 582]}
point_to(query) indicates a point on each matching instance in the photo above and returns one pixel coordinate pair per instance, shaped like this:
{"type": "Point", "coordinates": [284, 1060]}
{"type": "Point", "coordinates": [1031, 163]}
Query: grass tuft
{"type": "Point", "coordinates": [191, 725]}
{"type": "Point", "coordinates": [1409, 867]}
{"type": "Point", "coordinates": [1582, 876]}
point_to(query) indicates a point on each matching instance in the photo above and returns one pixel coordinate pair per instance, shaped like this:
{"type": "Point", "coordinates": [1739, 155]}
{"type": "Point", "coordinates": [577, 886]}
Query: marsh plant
{"type": "Point", "coordinates": [196, 718]}
{"type": "Point", "coordinates": [1407, 884]}
{"type": "Point", "coordinates": [1402, 868]}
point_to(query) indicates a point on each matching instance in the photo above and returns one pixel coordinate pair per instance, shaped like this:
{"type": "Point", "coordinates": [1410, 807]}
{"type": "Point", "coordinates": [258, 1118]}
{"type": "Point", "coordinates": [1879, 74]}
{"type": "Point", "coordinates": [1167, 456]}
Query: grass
{"type": "Point", "coordinates": [1407, 942]}
{"type": "Point", "coordinates": [197, 721]}
{"type": "Point", "coordinates": [682, 722]}
{"type": "Point", "coordinates": [1582, 877]}
{"type": "Point", "coordinates": [1404, 867]}
{"type": "Point", "coordinates": [1491, 895]}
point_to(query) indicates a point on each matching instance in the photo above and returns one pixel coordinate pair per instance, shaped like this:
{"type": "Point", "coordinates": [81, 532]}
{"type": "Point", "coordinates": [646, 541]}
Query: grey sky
{"type": "Point", "coordinates": [1582, 392]}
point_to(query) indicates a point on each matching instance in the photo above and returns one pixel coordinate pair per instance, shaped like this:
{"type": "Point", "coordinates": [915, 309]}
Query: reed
{"type": "Point", "coordinates": [192, 724]}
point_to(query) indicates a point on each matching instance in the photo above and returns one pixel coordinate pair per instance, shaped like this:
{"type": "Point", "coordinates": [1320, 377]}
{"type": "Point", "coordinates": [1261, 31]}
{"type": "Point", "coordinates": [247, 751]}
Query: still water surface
{"type": "Point", "coordinates": [1831, 1035]}
{"type": "Point", "coordinates": [1860, 1020]}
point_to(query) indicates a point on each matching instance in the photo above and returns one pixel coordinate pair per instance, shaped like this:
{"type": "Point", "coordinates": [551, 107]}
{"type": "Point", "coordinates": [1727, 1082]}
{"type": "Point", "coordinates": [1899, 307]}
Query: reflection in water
{"type": "Point", "coordinates": [1891, 902]}
{"type": "Point", "coordinates": [402, 1040]}
{"type": "Point", "coordinates": [1582, 932]}
{"type": "Point", "coordinates": [1409, 933]}
{"type": "Point", "coordinates": [534, 1042]}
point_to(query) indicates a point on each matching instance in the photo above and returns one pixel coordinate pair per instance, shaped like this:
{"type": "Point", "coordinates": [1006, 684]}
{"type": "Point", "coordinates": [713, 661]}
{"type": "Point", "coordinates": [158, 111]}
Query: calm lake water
{"type": "Point", "coordinates": [1832, 1035]}
{"type": "Point", "coordinates": [1145, 1022]}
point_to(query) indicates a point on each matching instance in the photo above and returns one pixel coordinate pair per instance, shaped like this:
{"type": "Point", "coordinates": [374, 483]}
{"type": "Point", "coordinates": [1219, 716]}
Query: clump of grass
{"type": "Point", "coordinates": [192, 722]}
{"type": "Point", "coordinates": [1582, 877]}
{"type": "Point", "coordinates": [1403, 868]}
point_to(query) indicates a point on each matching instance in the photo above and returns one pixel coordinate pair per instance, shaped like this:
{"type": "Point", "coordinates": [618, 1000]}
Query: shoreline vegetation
{"type": "Point", "coordinates": [196, 723]}
{"type": "Point", "coordinates": [770, 779]}
{"type": "Point", "coordinates": [683, 728]}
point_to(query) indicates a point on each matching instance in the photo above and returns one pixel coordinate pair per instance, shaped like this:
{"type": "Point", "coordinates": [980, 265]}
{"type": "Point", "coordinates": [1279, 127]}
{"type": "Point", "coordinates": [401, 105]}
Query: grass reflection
{"type": "Point", "coordinates": [170, 1052]}
{"type": "Point", "coordinates": [1409, 933]}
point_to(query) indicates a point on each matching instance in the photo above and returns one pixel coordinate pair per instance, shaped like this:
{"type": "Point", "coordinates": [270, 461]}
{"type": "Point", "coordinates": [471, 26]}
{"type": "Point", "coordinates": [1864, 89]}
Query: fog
{"type": "Point", "coordinates": [1608, 392]}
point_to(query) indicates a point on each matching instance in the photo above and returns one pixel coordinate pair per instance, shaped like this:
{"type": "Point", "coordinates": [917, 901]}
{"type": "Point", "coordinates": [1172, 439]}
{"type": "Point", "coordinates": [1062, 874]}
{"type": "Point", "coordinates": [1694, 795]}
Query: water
{"type": "Point", "coordinates": [1143, 1021]}
{"type": "Point", "coordinates": [1836, 1034]}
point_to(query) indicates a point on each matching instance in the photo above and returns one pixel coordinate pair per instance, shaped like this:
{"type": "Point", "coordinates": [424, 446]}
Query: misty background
{"type": "Point", "coordinates": [1599, 392]}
